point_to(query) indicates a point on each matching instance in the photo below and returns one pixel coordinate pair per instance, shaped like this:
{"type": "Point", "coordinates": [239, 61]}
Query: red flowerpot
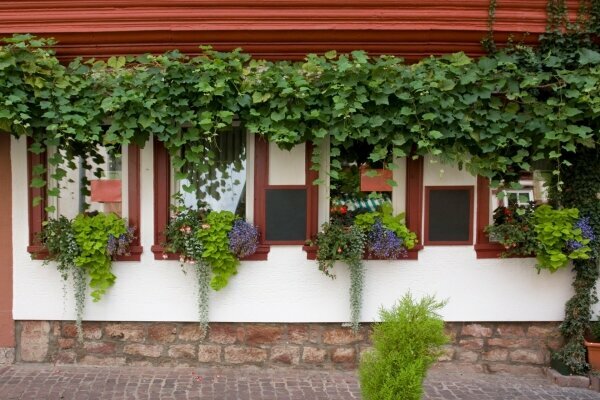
{"type": "Point", "coordinates": [593, 351]}
{"type": "Point", "coordinates": [106, 190]}
{"type": "Point", "coordinates": [377, 183]}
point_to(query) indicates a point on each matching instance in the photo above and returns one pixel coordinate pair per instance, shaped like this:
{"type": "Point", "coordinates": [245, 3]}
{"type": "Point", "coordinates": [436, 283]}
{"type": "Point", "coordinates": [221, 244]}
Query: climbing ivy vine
{"type": "Point", "coordinates": [495, 115]}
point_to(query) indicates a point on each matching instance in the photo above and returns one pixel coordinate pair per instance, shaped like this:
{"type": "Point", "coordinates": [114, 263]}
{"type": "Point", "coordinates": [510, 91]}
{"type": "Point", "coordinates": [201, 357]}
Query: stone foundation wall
{"type": "Point", "coordinates": [485, 346]}
{"type": "Point", "coordinates": [7, 355]}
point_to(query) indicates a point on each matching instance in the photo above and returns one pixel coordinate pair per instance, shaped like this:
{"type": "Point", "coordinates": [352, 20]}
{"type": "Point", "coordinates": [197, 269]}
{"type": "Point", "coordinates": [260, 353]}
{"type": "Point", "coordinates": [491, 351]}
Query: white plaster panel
{"type": "Point", "coordinates": [436, 173]}
{"type": "Point", "coordinates": [287, 287]}
{"type": "Point", "coordinates": [287, 167]}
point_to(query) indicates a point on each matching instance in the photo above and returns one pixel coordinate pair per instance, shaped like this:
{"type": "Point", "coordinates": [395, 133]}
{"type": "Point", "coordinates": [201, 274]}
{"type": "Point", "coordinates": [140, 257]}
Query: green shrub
{"type": "Point", "coordinates": [406, 343]}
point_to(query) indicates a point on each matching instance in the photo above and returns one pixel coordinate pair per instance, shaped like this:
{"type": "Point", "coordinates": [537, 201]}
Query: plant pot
{"type": "Point", "coordinates": [106, 191]}
{"type": "Point", "coordinates": [593, 352]}
{"type": "Point", "coordinates": [377, 183]}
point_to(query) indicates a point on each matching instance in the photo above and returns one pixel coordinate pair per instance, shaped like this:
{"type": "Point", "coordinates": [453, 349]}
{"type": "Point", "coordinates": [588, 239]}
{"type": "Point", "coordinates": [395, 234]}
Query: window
{"type": "Point", "coordinates": [448, 215]}
{"type": "Point", "coordinates": [533, 188]}
{"type": "Point", "coordinates": [228, 185]}
{"type": "Point", "coordinates": [361, 190]}
{"type": "Point", "coordinates": [116, 189]}
{"type": "Point", "coordinates": [221, 186]}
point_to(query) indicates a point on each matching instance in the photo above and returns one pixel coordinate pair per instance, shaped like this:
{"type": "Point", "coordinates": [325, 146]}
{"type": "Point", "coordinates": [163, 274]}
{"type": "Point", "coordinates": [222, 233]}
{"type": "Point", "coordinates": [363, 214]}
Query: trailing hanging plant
{"type": "Point", "coordinates": [182, 238]}
{"type": "Point", "coordinates": [83, 249]}
{"type": "Point", "coordinates": [337, 242]}
{"type": "Point", "coordinates": [213, 243]}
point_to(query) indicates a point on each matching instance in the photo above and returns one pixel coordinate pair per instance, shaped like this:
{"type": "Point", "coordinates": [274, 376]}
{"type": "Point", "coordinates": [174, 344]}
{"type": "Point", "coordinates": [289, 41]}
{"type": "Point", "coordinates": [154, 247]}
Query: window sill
{"type": "Point", "coordinates": [413, 254]}
{"type": "Point", "coordinates": [262, 254]}
{"type": "Point", "coordinates": [493, 250]}
{"type": "Point", "coordinates": [40, 253]}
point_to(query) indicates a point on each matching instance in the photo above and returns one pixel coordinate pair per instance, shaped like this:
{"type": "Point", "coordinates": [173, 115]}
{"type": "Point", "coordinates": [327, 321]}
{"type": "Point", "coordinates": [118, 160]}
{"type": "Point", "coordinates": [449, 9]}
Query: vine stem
{"type": "Point", "coordinates": [357, 275]}
{"type": "Point", "coordinates": [203, 273]}
{"type": "Point", "coordinates": [79, 287]}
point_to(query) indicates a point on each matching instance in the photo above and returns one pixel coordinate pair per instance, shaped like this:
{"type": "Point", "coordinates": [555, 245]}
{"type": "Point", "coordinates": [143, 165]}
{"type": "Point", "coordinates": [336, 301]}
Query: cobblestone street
{"type": "Point", "coordinates": [41, 382]}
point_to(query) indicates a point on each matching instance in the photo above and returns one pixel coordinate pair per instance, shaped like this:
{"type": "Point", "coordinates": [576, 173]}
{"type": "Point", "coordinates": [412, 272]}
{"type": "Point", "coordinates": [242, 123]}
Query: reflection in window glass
{"type": "Point", "coordinates": [223, 186]}
{"type": "Point", "coordinates": [99, 187]}
{"type": "Point", "coordinates": [361, 185]}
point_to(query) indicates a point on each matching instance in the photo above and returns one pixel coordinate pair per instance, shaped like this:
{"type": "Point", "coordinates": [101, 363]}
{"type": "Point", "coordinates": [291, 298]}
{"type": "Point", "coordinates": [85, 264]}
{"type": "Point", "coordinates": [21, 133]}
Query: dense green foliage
{"type": "Point", "coordinates": [505, 111]}
{"type": "Point", "coordinates": [215, 243]}
{"type": "Point", "coordinates": [91, 234]}
{"type": "Point", "coordinates": [406, 343]}
{"type": "Point", "coordinates": [582, 188]}
{"type": "Point", "coordinates": [82, 248]}
{"type": "Point", "coordinates": [554, 229]}
{"type": "Point", "coordinates": [395, 223]}
{"type": "Point", "coordinates": [337, 242]}
{"type": "Point", "coordinates": [513, 228]}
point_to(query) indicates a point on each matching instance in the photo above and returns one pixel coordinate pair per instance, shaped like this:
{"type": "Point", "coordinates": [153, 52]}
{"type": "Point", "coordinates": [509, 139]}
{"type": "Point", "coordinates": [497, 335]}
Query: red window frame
{"type": "Point", "coordinates": [468, 242]}
{"type": "Point", "coordinates": [414, 207]}
{"type": "Point", "coordinates": [37, 214]}
{"type": "Point", "coordinates": [162, 200]}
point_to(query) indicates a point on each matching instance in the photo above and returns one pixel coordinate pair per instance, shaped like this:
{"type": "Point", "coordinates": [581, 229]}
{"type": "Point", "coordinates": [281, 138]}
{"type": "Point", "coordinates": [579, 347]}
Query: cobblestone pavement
{"type": "Point", "coordinates": [41, 382]}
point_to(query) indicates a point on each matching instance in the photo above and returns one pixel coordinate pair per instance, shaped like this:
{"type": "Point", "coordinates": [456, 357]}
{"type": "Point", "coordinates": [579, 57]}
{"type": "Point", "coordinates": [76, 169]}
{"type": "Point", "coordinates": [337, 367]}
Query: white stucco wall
{"type": "Point", "coordinates": [287, 287]}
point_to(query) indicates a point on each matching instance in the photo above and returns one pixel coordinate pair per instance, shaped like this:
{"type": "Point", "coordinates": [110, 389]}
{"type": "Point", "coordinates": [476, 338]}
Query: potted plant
{"type": "Point", "coordinates": [513, 228]}
{"type": "Point", "coordinates": [212, 242]}
{"type": "Point", "coordinates": [84, 248]}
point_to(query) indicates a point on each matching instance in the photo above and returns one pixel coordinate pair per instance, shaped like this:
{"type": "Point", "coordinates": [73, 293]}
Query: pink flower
{"type": "Point", "coordinates": [165, 256]}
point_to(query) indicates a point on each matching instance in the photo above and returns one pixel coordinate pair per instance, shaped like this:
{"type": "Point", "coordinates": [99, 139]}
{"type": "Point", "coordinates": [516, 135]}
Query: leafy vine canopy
{"type": "Point", "coordinates": [496, 115]}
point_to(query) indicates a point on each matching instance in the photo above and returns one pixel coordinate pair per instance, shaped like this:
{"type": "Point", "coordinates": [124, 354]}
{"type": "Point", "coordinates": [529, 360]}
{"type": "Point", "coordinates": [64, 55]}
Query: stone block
{"type": "Point", "coordinates": [568, 380]}
{"type": "Point", "coordinates": [99, 347]}
{"type": "Point", "coordinates": [225, 334]}
{"type": "Point", "coordinates": [476, 330]}
{"type": "Point", "coordinates": [144, 350]}
{"type": "Point", "coordinates": [263, 334]}
{"type": "Point", "coordinates": [315, 334]}
{"type": "Point", "coordinates": [495, 355]}
{"type": "Point", "coordinates": [527, 356]}
{"type": "Point", "coordinates": [343, 355]}
{"type": "Point", "coordinates": [132, 332]}
{"type": "Point", "coordinates": [182, 351]}
{"type": "Point", "coordinates": [513, 369]}
{"type": "Point", "coordinates": [105, 361]}
{"type": "Point", "coordinates": [69, 330]}
{"type": "Point", "coordinates": [65, 357]}
{"type": "Point", "coordinates": [289, 355]}
{"type": "Point", "coordinates": [471, 344]}
{"type": "Point", "coordinates": [508, 343]}
{"type": "Point", "coordinates": [341, 336]}
{"type": "Point", "coordinates": [191, 333]}
{"type": "Point", "coordinates": [313, 355]}
{"type": "Point", "coordinates": [209, 353]}
{"type": "Point", "coordinates": [162, 333]}
{"type": "Point", "coordinates": [65, 344]}
{"type": "Point", "coordinates": [7, 355]}
{"type": "Point", "coordinates": [542, 330]}
{"type": "Point", "coordinates": [244, 355]}
{"type": "Point", "coordinates": [92, 330]}
{"type": "Point", "coordinates": [34, 341]}
{"type": "Point", "coordinates": [298, 334]}
{"type": "Point", "coordinates": [515, 329]}
{"type": "Point", "coordinates": [466, 355]}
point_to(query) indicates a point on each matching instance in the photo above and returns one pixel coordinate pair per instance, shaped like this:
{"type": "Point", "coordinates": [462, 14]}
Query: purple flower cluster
{"type": "Point", "coordinates": [384, 243]}
{"type": "Point", "coordinates": [119, 246]}
{"type": "Point", "coordinates": [243, 238]}
{"type": "Point", "coordinates": [586, 231]}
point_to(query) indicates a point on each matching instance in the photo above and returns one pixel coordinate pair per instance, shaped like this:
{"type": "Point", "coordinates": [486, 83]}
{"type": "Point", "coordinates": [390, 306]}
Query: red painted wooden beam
{"type": "Point", "coordinates": [271, 28]}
